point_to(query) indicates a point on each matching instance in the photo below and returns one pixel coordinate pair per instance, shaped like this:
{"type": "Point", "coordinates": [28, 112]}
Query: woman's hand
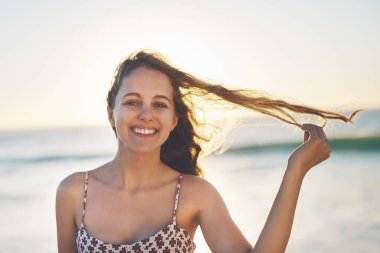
{"type": "Point", "coordinates": [314, 150]}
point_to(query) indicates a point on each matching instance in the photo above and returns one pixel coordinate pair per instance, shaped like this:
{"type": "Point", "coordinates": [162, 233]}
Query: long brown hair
{"type": "Point", "coordinates": [186, 142]}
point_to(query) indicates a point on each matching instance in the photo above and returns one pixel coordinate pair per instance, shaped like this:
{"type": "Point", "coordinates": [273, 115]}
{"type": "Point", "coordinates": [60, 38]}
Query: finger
{"type": "Point", "coordinates": [306, 136]}
{"type": "Point", "coordinates": [322, 134]}
{"type": "Point", "coordinates": [311, 129]}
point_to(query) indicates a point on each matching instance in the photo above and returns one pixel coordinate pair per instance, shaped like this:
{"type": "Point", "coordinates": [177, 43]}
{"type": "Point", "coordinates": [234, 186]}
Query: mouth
{"type": "Point", "coordinates": [144, 132]}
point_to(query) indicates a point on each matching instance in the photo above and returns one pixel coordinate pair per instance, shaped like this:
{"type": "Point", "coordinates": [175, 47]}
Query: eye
{"type": "Point", "coordinates": [131, 102]}
{"type": "Point", "coordinates": [161, 105]}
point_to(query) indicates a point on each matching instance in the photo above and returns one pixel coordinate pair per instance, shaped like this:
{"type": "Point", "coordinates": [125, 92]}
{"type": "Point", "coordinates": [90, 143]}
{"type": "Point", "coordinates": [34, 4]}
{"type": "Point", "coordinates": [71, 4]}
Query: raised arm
{"type": "Point", "coordinates": [223, 236]}
{"type": "Point", "coordinates": [315, 149]}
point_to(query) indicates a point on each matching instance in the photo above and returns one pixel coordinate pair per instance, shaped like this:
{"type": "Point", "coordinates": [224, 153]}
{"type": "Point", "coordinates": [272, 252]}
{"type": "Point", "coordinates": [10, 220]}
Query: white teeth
{"type": "Point", "coordinates": [143, 131]}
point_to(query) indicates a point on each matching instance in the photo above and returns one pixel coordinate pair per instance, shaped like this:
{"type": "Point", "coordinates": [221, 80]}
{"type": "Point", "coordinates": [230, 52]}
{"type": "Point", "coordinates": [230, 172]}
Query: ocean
{"type": "Point", "coordinates": [338, 208]}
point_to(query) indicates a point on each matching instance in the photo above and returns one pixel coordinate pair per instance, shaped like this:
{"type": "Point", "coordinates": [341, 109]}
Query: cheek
{"type": "Point", "coordinates": [123, 116]}
{"type": "Point", "coordinates": [167, 118]}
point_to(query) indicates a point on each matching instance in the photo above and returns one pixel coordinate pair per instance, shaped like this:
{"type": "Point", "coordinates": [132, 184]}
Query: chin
{"type": "Point", "coordinates": [141, 149]}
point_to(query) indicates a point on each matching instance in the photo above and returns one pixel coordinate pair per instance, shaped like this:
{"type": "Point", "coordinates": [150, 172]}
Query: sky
{"type": "Point", "coordinates": [58, 57]}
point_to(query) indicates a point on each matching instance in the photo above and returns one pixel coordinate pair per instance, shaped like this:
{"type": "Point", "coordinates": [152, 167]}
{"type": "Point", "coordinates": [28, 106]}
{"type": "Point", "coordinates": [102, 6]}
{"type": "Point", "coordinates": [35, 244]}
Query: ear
{"type": "Point", "coordinates": [110, 116]}
{"type": "Point", "coordinates": [175, 122]}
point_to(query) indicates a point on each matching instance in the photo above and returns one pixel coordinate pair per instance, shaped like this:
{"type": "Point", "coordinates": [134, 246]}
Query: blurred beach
{"type": "Point", "coordinates": [338, 209]}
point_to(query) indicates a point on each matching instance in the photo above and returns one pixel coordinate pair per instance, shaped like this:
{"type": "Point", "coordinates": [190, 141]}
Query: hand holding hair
{"type": "Point", "coordinates": [313, 151]}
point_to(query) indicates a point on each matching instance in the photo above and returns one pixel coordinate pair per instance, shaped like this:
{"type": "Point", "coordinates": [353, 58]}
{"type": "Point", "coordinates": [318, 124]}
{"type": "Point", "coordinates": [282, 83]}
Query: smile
{"type": "Point", "coordinates": [144, 131]}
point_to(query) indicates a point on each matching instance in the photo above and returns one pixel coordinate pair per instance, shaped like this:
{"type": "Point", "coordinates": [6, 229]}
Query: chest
{"type": "Point", "coordinates": [120, 219]}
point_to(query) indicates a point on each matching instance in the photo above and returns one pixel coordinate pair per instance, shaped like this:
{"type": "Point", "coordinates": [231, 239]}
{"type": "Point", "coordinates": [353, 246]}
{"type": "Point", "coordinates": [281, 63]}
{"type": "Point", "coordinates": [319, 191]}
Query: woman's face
{"type": "Point", "coordinates": [144, 113]}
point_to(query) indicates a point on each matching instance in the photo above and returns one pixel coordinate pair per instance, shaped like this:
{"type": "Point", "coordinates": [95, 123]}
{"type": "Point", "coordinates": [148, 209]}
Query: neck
{"type": "Point", "coordinates": [131, 170]}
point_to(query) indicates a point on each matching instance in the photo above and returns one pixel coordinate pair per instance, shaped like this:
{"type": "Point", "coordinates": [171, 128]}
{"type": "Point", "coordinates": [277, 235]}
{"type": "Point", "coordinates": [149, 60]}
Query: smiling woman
{"type": "Point", "coordinates": [144, 95]}
{"type": "Point", "coordinates": [150, 197]}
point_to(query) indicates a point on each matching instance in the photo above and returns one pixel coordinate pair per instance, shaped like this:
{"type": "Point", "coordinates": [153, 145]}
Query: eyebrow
{"type": "Point", "coordinates": [138, 95]}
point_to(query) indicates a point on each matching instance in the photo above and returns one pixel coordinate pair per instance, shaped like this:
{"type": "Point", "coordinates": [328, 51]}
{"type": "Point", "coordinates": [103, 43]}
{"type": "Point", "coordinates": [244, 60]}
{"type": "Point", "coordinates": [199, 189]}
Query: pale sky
{"type": "Point", "coordinates": [58, 57]}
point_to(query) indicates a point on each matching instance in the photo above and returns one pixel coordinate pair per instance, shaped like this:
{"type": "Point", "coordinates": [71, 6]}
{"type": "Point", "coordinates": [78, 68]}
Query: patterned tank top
{"type": "Point", "coordinates": [170, 239]}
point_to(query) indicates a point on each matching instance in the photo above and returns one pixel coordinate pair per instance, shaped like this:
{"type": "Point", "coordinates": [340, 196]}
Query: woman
{"type": "Point", "coordinates": [150, 197]}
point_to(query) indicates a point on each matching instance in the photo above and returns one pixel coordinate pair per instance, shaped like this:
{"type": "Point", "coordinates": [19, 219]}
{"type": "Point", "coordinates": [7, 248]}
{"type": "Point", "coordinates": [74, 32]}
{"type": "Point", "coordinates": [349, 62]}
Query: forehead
{"type": "Point", "coordinates": [147, 81]}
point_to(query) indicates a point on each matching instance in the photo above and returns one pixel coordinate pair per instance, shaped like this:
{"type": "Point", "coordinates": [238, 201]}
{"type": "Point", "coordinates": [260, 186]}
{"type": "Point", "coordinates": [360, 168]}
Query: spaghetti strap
{"type": "Point", "coordinates": [176, 199]}
{"type": "Point", "coordinates": [84, 198]}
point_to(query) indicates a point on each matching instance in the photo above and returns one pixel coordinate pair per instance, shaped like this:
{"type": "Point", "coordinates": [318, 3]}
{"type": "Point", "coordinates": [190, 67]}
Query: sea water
{"type": "Point", "coordinates": [338, 208]}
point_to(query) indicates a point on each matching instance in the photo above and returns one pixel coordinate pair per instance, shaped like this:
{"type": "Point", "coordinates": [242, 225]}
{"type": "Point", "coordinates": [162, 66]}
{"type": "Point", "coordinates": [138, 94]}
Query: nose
{"type": "Point", "coordinates": [145, 114]}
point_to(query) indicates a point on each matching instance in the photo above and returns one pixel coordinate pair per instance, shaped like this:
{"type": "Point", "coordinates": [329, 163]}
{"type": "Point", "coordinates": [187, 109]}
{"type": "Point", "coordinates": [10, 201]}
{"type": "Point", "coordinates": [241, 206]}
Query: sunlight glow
{"type": "Point", "coordinates": [64, 80]}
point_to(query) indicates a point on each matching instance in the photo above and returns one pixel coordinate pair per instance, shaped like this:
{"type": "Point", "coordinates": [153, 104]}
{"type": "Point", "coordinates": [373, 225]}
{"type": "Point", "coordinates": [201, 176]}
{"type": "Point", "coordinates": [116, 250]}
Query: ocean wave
{"type": "Point", "coordinates": [362, 144]}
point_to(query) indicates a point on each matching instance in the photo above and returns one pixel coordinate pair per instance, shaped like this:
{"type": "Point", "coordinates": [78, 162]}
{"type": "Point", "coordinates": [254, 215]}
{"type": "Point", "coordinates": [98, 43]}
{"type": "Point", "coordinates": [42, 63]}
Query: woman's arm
{"type": "Point", "coordinates": [220, 232]}
{"type": "Point", "coordinates": [275, 234]}
{"type": "Point", "coordinates": [315, 149]}
{"type": "Point", "coordinates": [68, 200]}
{"type": "Point", "coordinates": [223, 236]}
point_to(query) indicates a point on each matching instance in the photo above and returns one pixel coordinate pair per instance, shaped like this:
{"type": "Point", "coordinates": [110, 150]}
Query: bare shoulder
{"type": "Point", "coordinates": [72, 183]}
{"type": "Point", "coordinates": [70, 192]}
{"type": "Point", "coordinates": [200, 190]}
{"type": "Point", "coordinates": [69, 198]}
{"type": "Point", "coordinates": [195, 182]}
